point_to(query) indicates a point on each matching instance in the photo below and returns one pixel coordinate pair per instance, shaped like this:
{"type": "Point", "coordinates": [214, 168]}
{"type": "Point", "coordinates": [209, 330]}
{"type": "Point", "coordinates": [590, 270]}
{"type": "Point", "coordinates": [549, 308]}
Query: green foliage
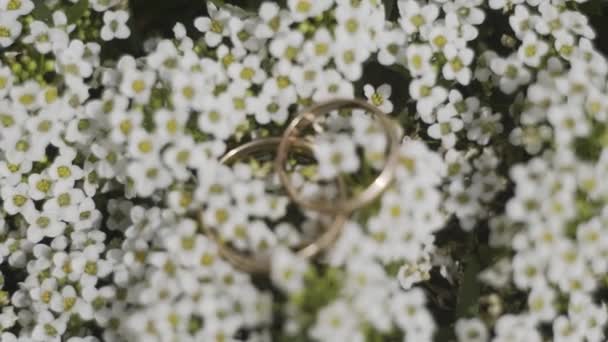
{"type": "Point", "coordinates": [77, 11]}
{"type": "Point", "coordinates": [468, 293]}
{"type": "Point", "coordinates": [321, 287]}
{"type": "Point", "coordinates": [42, 12]}
{"type": "Point", "coordinates": [590, 147]}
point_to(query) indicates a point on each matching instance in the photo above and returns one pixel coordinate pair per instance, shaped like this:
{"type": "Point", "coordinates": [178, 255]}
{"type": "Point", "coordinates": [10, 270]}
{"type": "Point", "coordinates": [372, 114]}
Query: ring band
{"type": "Point", "coordinates": [382, 181]}
{"type": "Point", "coordinates": [250, 263]}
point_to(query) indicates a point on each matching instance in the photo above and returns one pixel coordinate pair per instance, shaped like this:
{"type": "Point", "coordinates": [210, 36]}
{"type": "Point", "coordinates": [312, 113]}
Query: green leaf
{"type": "Point", "coordinates": [42, 12]}
{"type": "Point", "coordinates": [468, 293]}
{"type": "Point", "coordinates": [389, 6]}
{"type": "Point", "coordinates": [77, 11]}
{"type": "Point", "coordinates": [444, 334]}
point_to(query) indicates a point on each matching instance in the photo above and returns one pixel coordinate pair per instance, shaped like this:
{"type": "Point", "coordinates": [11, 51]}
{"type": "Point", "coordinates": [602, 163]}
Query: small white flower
{"type": "Point", "coordinates": [447, 125]}
{"type": "Point", "coordinates": [428, 96]}
{"type": "Point", "coordinates": [115, 25]}
{"type": "Point", "coordinates": [522, 21]}
{"type": "Point", "coordinates": [419, 59]}
{"type": "Point", "coordinates": [39, 36]}
{"type": "Point", "coordinates": [532, 50]}
{"type": "Point", "coordinates": [379, 97]}
{"type": "Point", "coordinates": [137, 84]}
{"type": "Point", "coordinates": [471, 330]}
{"type": "Point", "coordinates": [10, 28]}
{"type": "Point", "coordinates": [148, 175]}
{"type": "Point", "coordinates": [513, 74]}
{"type": "Point", "coordinates": [333, 85]}
{"type": "Point", "coordinates": [485, 127]}
{"type": "Point", "coordinates": [43, 224]}
{"type": "Point", "coordinates": [274, 20]}
{"type": "Point", "coordinates": [287, 45]}
{"type": "Point", "coordinates": [457, 64]}
{"type": "Point", "coordinates": [336, 155]}
{"type": "Point", "coordinates": [71, 61]}
{"type": "Point", "coordinates": [16, 199]}
{"type": "Point", "coordinates": [302, 9]}
{"type": "Point", "coordinates": [417, 18]}
{"type": "Point", "coordinates": [215, 28]}
{"type": "Point", "coordinates": [391, 46]}
{"type": "Point", "coordinates": [17, 7]}
{"type": "Point", "coordinates": [48, 328]}
{"type": "Point", "coordinates": [541, 303]}
{"type": "Point", "coordinates": [320, 48]}
{"type": "Point", "coordinates": [248, 71]}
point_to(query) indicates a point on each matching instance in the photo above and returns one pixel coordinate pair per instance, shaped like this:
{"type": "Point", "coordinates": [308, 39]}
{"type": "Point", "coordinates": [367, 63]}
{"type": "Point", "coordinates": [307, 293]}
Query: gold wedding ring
{"type": "Point", "coordinates": [262, 264]}
{"type": "Point", "coordinates": [375, 189]}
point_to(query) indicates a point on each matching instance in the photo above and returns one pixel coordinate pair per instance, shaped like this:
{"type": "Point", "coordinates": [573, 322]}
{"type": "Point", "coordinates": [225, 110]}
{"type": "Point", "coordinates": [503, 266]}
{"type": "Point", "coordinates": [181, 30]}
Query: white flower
{"type": "Point", "coordinates": [302, 9]}
{"type": "Point", "coordinates": [568, 122]}
{"type": "Point", "coordinates": [335, 155]}
{"type": "Point", "coordinates": [532, 50]}
{"type": "Point", "coordinates": [287, 45]}
{"type": "Point", "coordinates": [516, 328]}
{"type": "Point", "coordinates": [565, 330]}
{"type": "Point", "coordinates": [332, 85]}
{"type": "Point", "coordinates": [16, 199]}
{"type": "Point", "coordinates": [288, 270]}
{"type": "Point", "coordinates": [447, 125]}
{"type": "Point", "coordinates": [471, 330]}
{"type": "Point", "coordinates": [137, 84]}
{"type": "Point", "coordinates": [457, 64]}
{"type": "Point", "coordinates": [428, 96]}
{"type": "Point", "coordinates": [417, 18]}
{"type": "Point", "coordinates": [39, 36]}
{"type": "Point", "coordinates": [391, 46]}
{"type": "Point", "coordinates": [64, 202]}
{"type": "Point", "coordinates": [513, 73]}
{"type": "Point", "coordinates": [541, 303]}
{"type": "Point", "coordinates": [274, 20]}
{"type": "Point", "coordinates": [485, 127]}
{"type": "Point", "coordinates": [379, 97]}
{"type": "Point", "coordinates": [528, 270]}
{"type": "Point", "coordinates": [88, 216]}
{"type": "Point", "coordinates": [71, 61]}
{"type": "Point", "coordinates": [552, 20]}
{"type": "Point", "coordinates": [48, 328]}
{"type": "Point", "coordinates": [10, 28]}
{"type": "Point", "coordinates": [320, 48]}
{"type": "Point", "coordinates": [148, 175]}
{"type": "Point", "coordinates": [17, 7]}
{"type": "Point", "coordinates": [68, 301]}
{"type": "Point", "coordinates": [522, 21]}
{"type": "Point", "coordinates": [353, 24]}
{"type": "Point", "coordinates": [43, 224]}
{"type": "Point", "coordinates": [25, 95]}
{"type": "Point", "coordinates": [62, 170]}
{"type": "Point", "coordinates": [337, 322]}
{"type": "Point", "coordinates": [215, 27]}
{"type": "Point", "coordinates": [419, 59]}
{"type": "Point", "coordinates": [270, 106]}
{"type": "Point", "coordinates": [115, 25]}
{"type": "Point", "coordinates": [248, 71]}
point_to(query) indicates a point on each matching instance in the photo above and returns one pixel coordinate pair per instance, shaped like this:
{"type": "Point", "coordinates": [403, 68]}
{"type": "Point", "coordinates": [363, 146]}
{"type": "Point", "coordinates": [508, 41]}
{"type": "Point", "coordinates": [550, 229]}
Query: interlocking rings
{"type": "Point", "coordinates": [339, 209]}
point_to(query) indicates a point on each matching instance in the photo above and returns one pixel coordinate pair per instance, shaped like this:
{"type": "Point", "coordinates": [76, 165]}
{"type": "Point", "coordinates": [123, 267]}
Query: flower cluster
{"type": "Point", "coordinates": [111, 180]}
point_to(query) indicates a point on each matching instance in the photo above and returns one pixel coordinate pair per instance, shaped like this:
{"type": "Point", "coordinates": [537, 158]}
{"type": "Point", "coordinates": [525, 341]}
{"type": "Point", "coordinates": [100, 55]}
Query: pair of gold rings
{"type": "Point", "coordinates": [339, 209]}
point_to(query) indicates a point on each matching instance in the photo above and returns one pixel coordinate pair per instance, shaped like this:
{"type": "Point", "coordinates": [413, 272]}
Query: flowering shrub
{"type": "Point", "coordinates": [114, 115]}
